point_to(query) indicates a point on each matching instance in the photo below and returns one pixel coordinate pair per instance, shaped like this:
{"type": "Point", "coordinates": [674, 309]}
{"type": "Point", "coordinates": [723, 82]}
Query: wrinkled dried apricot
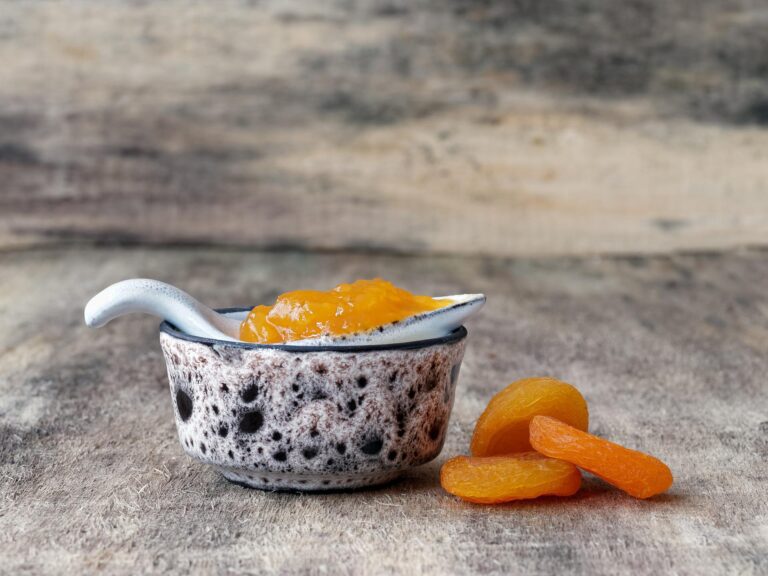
{"type": "Point", "coordinates": [639, 475]}
{"type": "Point", "coordinates": [503, 427]}
{"type": "Point", "coordinates": [497, 479]}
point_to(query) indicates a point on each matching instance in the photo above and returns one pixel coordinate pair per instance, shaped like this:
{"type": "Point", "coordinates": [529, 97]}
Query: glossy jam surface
{"type": "Point", "coordinates": [346, 309]}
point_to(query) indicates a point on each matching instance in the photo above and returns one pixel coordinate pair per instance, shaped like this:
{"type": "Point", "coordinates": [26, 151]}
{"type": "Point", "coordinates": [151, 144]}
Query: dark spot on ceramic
{"type": "Point", "coordinates": [352, 405]}
{"type": "Point", "coordinates": [320, 368]}
{"type": "Point", "coordinates": [393, 377]}
{"type": "Point", "coordinates": [280, 456]}
{"type": "Point", "coordinates": [309, 453]}
{"type": "Point", "coordinates": [392, 455]}
{"type": "Point", "coordinates": [318, 395]}
{"type": "Point", "coordinates": [215, 409]}
{"type": "Point", "coordinates": [341, 447]}
{"type": "Point", "coordinates": [251, 422]}
{"type": "Point", "coordinates": [411, 393]}
{"type": "Point", "coordinates": [223, 431]}
{"type": "Point", "coordinates": [432, 380]}
{"type": "Point", "coordinates": [183, 404]}
{"type": "Point", "coordinates": [314, 433]}
{"type": "Point", "coordinates": [295, 387]}
{"type": "Point", "coordinates": [249, 394]}
{"type": "Point", "coordinates": [372, 446]}
{"type": "Point", "coordinates": [224, 388]}
{"type": "Point", "coordinates": [276, 436]}
{"type": "Point", "coordinates": [203, 448]}
{"type": "Point", "coordinates": [231, 455]}
{"type": "Point", "coordinates": [362, 381]}
{"type": "Point", "coordinates": [434, 430]}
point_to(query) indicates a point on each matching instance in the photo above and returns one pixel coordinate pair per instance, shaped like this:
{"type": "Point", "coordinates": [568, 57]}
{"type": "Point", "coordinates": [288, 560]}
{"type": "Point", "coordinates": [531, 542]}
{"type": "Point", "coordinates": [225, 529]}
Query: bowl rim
{"type": "Point", "coordinates": [455, 336]}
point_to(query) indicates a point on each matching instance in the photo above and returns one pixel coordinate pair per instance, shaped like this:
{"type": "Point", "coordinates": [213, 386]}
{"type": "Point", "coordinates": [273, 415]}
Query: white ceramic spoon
{"type": "Point", "coordinates": [192, 317]}
{"type": "Point", "coordinates": [163, 300]}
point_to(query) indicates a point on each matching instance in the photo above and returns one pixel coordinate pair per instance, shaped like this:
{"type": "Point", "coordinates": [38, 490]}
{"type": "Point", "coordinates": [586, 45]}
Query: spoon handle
{"type": "Point", "coordinates": [162, 300]}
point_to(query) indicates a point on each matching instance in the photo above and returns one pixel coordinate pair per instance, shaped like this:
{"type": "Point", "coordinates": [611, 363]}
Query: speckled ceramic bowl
{"type": "Point", "coordinates": [281, 417]}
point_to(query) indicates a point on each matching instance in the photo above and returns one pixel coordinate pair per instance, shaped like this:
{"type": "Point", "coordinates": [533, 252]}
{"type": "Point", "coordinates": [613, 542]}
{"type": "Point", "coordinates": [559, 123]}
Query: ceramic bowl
{"type": "Point", "coordinates": [282, 417]}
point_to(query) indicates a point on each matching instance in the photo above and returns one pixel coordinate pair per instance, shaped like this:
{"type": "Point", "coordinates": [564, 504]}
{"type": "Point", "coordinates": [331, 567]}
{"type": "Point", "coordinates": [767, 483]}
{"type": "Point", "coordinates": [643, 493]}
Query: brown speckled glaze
{"type": "Point", "coordinates": [320, 419]}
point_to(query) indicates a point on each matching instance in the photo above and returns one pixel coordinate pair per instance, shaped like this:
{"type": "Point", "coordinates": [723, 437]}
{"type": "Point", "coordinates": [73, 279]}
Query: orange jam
{"type": "Point", "coordinates": [346, 309]}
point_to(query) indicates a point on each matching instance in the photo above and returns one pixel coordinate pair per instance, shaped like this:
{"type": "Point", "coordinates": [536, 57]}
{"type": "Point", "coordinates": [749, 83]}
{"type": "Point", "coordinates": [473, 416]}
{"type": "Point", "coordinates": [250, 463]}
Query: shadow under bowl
{"type": "Point", "coordinates": [282, 417]}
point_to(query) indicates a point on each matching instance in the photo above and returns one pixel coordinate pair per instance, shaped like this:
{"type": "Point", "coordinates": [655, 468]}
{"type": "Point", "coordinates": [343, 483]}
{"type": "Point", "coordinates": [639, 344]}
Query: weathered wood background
{"type": "Point", "coordinates": [241, 148]}
{"type": "Point", "coordinates": [456, 126]}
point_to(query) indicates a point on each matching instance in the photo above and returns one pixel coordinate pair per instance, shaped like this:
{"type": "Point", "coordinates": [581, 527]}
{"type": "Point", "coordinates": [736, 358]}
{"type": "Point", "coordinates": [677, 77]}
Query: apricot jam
{"type": "Point", "coordinates": [346, 309]}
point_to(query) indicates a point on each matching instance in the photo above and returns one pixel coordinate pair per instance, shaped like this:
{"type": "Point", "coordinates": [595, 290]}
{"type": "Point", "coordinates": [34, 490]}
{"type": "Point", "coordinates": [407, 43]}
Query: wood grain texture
{"type": "Point", "coordinates": [490, 127]}
{"type": "Point", "coordinates": [671, 353]}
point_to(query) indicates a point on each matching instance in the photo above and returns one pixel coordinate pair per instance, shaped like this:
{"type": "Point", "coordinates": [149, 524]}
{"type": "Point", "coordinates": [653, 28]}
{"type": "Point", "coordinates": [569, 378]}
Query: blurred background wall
{"type": "Point", "coordinates": [496, 127]}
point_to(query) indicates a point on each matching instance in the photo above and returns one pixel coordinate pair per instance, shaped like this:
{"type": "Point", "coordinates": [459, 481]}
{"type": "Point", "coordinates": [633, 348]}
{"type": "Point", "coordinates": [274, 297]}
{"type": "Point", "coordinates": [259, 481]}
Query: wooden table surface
{"type": "Point", "coordinates": [496, 127]}
{"type": "Point", "coordinates": [240, 148]}
{"type": "Point", "coordinates": [670, 352]}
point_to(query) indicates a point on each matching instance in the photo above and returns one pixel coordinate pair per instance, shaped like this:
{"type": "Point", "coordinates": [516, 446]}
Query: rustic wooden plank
{"type": "Point", "coordinates": [497, 128]}
{"type": "Point", "coordinates": [670, 352]}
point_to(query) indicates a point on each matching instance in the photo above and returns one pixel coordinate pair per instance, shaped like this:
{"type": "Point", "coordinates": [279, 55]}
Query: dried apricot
{"type": "Point", "coordinates": [503, 427]}
{"type": "Point", "coordinates": [496, 479]}
{"type": "Point", "coordinates": [639, 475]}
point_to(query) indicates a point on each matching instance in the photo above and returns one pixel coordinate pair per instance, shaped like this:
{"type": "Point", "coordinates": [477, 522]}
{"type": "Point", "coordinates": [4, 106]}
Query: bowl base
{"type": "Point", "coordinates": [262, 480]}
